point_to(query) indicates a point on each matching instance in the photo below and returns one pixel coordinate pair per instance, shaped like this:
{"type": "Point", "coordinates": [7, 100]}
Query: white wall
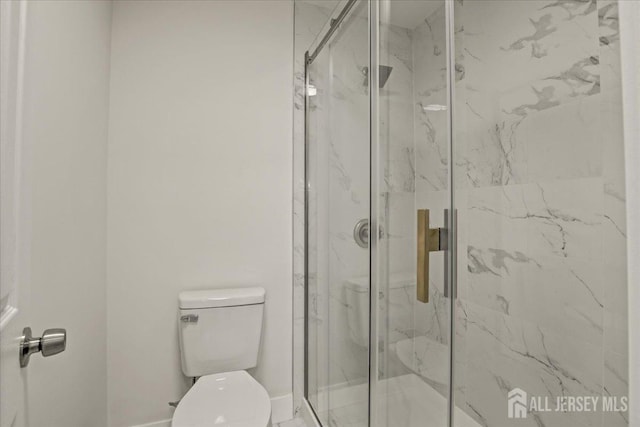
{"type": "Point", "coordinates": [199, 182]}
{"type": "Point", "coordinates": [65, 125]}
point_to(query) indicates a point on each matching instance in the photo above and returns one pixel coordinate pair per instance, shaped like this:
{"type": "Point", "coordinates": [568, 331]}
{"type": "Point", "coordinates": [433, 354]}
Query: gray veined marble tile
{"type": "Point", "coordinates": [567, 218]}
{"type": "Point", "coordinates": [609, 36]}
{"type": "Point", "coordinates": [396, 144]}
{"type": "Point", "coordinates": [532, 252]}
{"type": "Point", "coordinates": [529, 56]}
{"type": "Point", "coordinates": [578, 80]}
{"type": "Point", "coordinates": [431, 152]}
{"type": "Point", "coordinates": [608, 21]}
{"type": "Point", "coordinates": [429, 62]}
{"type": "Point", "coordinates": [616, 384]}
{"type": "Point", "coordinates": [494, 155]}
{"type": "Point", "coordinates": [560, 219]}
{"type": "Point", "coordinates": [432, 319]}
{"type": "Point", "coordinates": [563, 142]}
{"type": "Point", "coordinates": [507, 352]}
{"type": "Point", "coordinates": [430, 131]}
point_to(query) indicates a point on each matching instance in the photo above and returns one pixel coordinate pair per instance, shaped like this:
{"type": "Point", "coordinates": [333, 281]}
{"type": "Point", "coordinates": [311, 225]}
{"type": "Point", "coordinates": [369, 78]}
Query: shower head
{"type": "Point", "coordinates": [384, 71]}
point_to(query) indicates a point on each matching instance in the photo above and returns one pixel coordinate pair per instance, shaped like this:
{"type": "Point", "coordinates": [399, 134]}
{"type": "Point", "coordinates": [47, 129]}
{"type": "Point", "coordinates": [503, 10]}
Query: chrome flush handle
{"type": "Point", "coordinates": [189, 318]}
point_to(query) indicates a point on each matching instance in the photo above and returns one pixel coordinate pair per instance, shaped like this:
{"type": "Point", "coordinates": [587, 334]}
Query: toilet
{"type": "Point", "coordinates": [219, 333]}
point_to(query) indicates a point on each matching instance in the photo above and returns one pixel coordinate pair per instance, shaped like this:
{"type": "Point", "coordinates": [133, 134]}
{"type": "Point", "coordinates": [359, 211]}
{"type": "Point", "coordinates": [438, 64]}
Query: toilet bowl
{"type": "Point", "coordinates": [225, 399]}
{"type": "Point", "coordinates": [220, 332]}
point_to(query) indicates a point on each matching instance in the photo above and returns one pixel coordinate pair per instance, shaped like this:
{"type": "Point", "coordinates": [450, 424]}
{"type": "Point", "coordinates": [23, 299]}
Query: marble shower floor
{"type": "Point", "coordinates": [296, 422]}
{"type": "Point", "coordinates": [405, 401]}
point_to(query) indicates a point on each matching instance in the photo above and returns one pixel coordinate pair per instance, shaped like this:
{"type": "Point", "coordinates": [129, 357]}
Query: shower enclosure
{"type": "Point", "coordinates": [464, 212]}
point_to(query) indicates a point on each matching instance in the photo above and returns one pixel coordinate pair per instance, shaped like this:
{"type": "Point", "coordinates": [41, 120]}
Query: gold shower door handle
{"type": "Point", "coordinates": [429, 240]}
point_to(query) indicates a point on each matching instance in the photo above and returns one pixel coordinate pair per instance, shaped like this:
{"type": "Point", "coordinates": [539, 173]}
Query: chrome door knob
{"type": "Point", "coordinates": [53, 341]}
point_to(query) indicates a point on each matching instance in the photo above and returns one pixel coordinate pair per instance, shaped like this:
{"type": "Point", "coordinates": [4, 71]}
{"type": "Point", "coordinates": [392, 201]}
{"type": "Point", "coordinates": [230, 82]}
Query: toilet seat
{"type": "Point", "coordinates": [229, 399]}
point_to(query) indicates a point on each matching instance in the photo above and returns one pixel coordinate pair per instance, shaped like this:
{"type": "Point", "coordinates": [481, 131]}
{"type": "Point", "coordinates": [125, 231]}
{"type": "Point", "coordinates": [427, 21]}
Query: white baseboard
{"type": "Point", "coordinates": [161, 423]}
{"type": "Point", "coordinates": [281, 408]}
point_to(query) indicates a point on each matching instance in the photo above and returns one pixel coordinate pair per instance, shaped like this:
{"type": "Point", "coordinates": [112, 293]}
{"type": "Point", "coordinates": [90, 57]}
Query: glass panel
{"type": "Point", "coordinates": [413, 378]}
{"type": "Point", "coordinates": [540, 195]}
{"type": "Point", "coordinates": [317, 241]}
{"type": "Point", "coordinates": [338, 199]}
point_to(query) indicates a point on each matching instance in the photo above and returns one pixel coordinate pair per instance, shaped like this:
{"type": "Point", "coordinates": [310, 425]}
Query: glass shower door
{"type": "Point", "coordinates": [411, 202]}
{"type": "Point", "coordinates": [378, 148]}
{"type": "Point", "coordinates": [338, 187]}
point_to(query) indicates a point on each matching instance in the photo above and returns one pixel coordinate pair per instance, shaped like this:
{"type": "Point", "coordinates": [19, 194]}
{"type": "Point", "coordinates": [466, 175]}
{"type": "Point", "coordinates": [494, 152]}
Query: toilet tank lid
{"type": "Point", "coordinates": [212, 298]}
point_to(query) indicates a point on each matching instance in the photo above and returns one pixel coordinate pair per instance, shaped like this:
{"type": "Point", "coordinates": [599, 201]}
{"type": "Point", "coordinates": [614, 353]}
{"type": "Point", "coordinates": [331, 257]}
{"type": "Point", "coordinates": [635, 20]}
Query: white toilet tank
{"type": "Point", "coordinates": [220, 330]}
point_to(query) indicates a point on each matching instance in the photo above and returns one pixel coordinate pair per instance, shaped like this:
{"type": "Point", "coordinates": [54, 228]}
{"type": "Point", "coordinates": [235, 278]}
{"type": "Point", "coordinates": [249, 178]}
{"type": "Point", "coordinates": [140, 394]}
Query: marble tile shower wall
{"type": "Point", "coordinates": [541, 212]}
